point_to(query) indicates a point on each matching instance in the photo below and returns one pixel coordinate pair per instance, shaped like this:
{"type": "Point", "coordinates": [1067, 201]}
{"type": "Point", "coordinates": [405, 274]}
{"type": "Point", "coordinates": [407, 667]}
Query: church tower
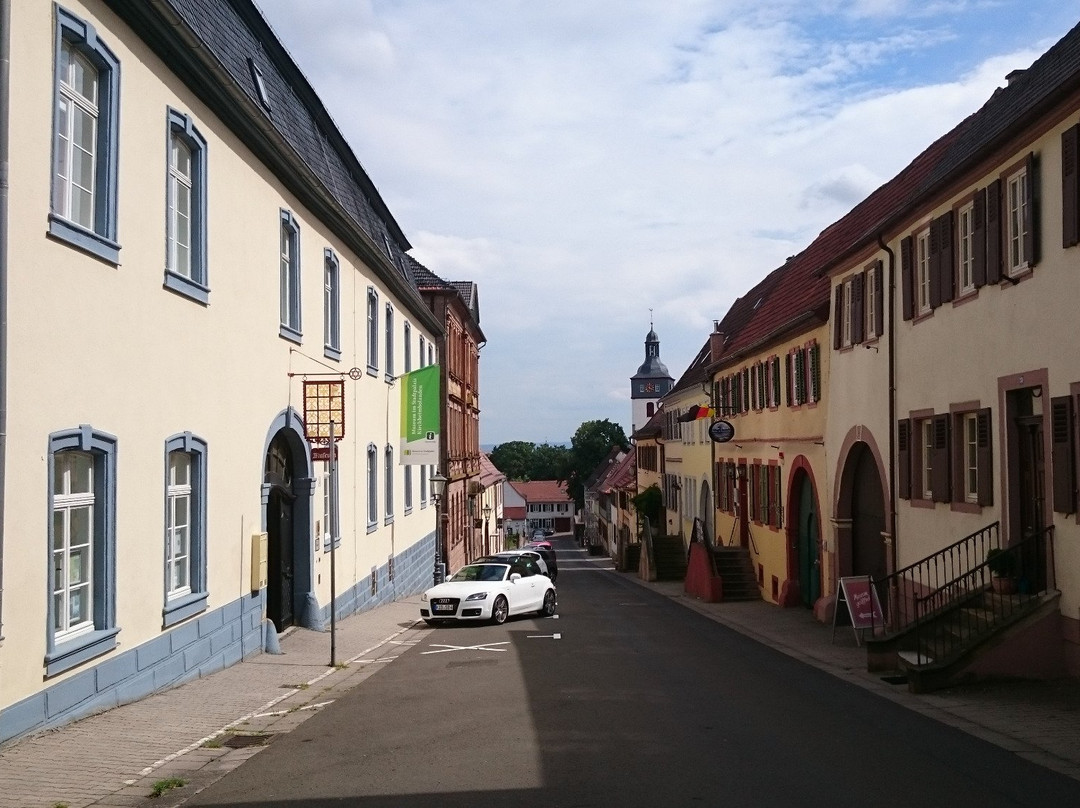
{"type": "Point", "coordinates": [651, 382]}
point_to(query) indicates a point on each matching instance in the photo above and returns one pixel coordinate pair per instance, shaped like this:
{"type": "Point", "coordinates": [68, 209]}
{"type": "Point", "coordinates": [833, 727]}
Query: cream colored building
{"type": "Point", "coordinates": [188, 240]}
{"type": "Point", "coordinates": [979, 239]}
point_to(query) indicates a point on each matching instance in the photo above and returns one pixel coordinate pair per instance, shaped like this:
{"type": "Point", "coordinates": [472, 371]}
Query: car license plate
{"type": "Point", "coordinates": [443, 607]}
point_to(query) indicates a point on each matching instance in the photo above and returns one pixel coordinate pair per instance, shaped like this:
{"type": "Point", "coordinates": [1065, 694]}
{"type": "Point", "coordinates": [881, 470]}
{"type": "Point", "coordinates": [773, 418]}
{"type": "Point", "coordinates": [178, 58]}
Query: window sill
{"type": "Point", "coordinates": [966, 507]}
{"type": "Point", "coordinates": [326, 544]}
{"type": "Point", "coordinates": [373, 370]}
{"type": "Point", "coordinates": [86, 240]}
{"type": "Point", "coordinates": [372, 527]}
{"type": "Point", "coordinates": [332, 353]}
{"type": "Point", "coordinates": [182, 608]}
{"type": "Point", "coordinates": [389, 520]}
{"type": "Point", "coordinates": [186, 287]}
{"type": "Point", "coordinates": [78, 650]}
{"type": "Point", "coordinates": [291, 334]}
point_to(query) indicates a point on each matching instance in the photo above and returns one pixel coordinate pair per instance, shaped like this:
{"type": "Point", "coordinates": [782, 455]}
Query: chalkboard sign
{"type": "Point", "coordinates": [857, 597]}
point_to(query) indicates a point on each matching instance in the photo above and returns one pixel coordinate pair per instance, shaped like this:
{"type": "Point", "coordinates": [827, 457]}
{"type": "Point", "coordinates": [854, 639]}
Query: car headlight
{"type": "Point", "coordinates": [477, 596]}
{"type": "Point", "coordinates": [423, 598]}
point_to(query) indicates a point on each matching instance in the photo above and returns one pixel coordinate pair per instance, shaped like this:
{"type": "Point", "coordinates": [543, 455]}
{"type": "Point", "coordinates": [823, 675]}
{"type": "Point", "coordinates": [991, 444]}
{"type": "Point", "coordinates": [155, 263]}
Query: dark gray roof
{"type": "Point", "coordinates": [211, 45]}
{"type": "Point", "coordinates": [466, 291]}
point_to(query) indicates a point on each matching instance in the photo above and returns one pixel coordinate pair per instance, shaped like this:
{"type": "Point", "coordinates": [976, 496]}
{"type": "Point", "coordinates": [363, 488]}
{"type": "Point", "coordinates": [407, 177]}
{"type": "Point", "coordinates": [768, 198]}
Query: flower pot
{"type": "Point", "coordinates": [1003, 585]}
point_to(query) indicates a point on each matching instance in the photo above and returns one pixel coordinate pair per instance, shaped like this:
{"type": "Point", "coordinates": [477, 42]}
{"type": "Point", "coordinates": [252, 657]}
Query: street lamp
{"type": "Point", "coordinates": [438, 487]}
{"type": "Point", "coordinates": [487, 529]}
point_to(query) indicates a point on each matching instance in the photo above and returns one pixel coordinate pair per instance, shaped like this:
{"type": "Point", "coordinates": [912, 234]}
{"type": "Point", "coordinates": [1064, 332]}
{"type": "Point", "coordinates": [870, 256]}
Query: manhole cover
{"type": "Point", "coordinates": [241, 741]}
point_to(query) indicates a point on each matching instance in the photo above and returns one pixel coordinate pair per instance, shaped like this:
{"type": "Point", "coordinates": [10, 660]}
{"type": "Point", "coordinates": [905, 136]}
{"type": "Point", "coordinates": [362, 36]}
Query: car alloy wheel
{"type": "Point", "coordinates": [549, 603]}
{"type": "Point", "coordinates": [500, 610]}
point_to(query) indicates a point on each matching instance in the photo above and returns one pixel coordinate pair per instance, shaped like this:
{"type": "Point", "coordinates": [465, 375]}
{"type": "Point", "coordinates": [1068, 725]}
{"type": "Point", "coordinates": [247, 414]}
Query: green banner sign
{"type": "Point", "coordinates": [420, 405]}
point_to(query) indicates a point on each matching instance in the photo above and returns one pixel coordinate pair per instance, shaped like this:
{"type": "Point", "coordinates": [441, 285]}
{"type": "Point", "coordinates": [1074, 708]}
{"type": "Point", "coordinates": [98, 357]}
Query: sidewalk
{"type": "Point", "coordinates": [200, 731]}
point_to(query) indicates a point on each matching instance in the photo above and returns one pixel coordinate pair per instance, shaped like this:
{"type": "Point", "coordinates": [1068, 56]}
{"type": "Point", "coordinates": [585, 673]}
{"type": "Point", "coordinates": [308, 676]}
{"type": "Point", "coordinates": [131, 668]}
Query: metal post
{"type": "Point", "coordinates": [333, 527]}
{"type": "Point", "coordinates": [437, 574]}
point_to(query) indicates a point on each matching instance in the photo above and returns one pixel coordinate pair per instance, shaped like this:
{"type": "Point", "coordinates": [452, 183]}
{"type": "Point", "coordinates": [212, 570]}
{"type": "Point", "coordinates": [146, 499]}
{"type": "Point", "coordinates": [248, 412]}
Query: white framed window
{"type": "Point", "coordinates": [85, 146]}
{"type": "Point", "coordinates": [423, 485]}
{"type": "Point", "coordinates": [388, 484]}
{"type": "Point", "coordinates": [372, 331]}
{"type": "Point", "coordinates": [407, 337]}
{"type": "Point", "coordinates": [372, 487]}
{"type": "Point", "coordinates": [965, 238]}
{"type": "Point", "coordinates": [81, 547]}
{"type": "Point", "coordinates": [178, 526]}
{"type": "Point", "coordinates": [185, 528]}
{"type": "Point", "coordinates": [290, 277]}
{"type": "Point", "coordinates": [389, 327]}
{"type": "Point", "coordinates": [922, 272]}
{"type": "Point", "coordinates": [926, 434]}
{"type": "Point", "coordinates": [870, 305]}
{"type": "Point", "coordinates": [327, 493]}
{"type": "Point", "coordinates": [971, 457]}
{"type": "Point", "coordinates": [1016, 222]}
{"type": "Point", "coordinates": [73, 543]}
{"type": "Point", "coordinates": [185, 224]}
{"type": "Point", "coordinates": [331, 305]}
{"type": "Point", "coordinates": [407, 487]}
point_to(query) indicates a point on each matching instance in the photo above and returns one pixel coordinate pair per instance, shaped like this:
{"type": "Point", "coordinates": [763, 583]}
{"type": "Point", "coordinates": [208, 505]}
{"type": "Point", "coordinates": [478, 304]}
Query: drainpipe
{"type": "Point", "coordinates": [892, 401]}
{"type": "Point", "coordinates": [5, 74]}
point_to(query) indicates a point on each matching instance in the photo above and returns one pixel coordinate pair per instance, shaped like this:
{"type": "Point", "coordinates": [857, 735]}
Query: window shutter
{"type": "Point", "coordinates": [838, 317]}
{"type": "Point", "coordinates": [1031, 216]}
{"type": "Point", "coordinates": [903, 455]}
{"type": "Point", "coordinates": [984, 457]}
{"type": "Point", "coordinates": [776, 381]}
{"type": "Point", "coordinates": [1061, 415]}
{"type": "Point", "coordinates": [1070, 187]}
{"type": "Point", "coordinates": [858, 311]}
{"type": "Point", "coordinates": [774, 507]}
{"type": "Point", "coordinates": [879, 299]}
{"type": "Point", "coordinates": [800, 377]}
{"type": "Point", "coordinates": [907, 290]}
{"type": "Point", "coordinates": [940, 475]}
{"type": "Point", "coordinates": [787, 377]}
{"type": "Point", "coordinates": [978, 238]}
{"type": "Point", "coordinates": [935, 263]}
{"type": "Point", "coordinates": [993, 232]}
{"type": "Point", "coordinates": [746, 389]}
{"type": "Point", "coordinates": [753, 387]}
{"type": "Point", "coordinates": [815, 372]}
{"type": "Point", "coordinates": [947, 269]}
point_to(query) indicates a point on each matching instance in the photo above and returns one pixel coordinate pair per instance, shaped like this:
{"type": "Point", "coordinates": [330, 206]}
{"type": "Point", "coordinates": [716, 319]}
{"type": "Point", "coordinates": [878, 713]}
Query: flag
{"type": "Point", "coordinates": [694, 413]}
{"type": "Point", "coordinates": [420, 403]}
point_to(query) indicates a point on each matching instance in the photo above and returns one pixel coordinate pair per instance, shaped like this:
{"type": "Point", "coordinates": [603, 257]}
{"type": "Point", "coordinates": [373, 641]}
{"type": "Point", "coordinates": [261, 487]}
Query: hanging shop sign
{"type": "Point", "coordinates": [721, 431]}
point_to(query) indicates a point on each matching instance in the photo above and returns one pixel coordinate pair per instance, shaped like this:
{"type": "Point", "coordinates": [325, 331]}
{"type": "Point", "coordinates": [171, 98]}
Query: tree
{"type": "Point", "coordinates": [550, 462]}
{"type": "Point", "coordinates": [590, 445]}
{"type": "Point", "coordinates": [650, 503]}
{"type": "Point", "coordinates": [514, 459]}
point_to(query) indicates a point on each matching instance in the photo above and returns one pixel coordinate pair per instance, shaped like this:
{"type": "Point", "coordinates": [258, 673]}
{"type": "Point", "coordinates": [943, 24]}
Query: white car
{"type": "Point", "coordinates": [490, 590]}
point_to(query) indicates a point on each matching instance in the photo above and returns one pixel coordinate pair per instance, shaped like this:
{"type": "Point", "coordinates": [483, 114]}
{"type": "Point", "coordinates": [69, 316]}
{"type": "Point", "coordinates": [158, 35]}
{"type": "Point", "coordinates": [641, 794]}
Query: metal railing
{"type": "Point", "coordinates": [953, 599]}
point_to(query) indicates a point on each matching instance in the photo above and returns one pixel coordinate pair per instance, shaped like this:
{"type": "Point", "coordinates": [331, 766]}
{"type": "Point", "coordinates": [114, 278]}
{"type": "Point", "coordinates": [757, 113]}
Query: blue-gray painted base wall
{"type": "Point", "coordinates": [199, 647]}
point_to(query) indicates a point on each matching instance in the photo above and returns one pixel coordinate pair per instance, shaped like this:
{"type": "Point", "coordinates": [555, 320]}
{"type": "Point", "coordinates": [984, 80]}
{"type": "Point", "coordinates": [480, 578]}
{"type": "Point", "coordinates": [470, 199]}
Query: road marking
{"type": "Point", "coordinates": [373, 661]}
{"type": "Point", "coordinates": [298, 709]}
{"type": "Point", "coordinates": [544, 636]}
{"type": "Point", "coordinates": [482, 647]}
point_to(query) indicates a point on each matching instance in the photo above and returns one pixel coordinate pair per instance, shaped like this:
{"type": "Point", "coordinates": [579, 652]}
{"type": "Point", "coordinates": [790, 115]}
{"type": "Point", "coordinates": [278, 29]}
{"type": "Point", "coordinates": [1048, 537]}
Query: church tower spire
{"type": "Point", "coordinates": [651, 382]}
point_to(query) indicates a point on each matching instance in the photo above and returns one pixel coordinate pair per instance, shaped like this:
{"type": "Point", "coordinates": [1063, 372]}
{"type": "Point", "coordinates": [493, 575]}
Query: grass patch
{"type": "Point", "coordinates": [161, 786]}
{"type": "Point", "coordinates": [213, 743]}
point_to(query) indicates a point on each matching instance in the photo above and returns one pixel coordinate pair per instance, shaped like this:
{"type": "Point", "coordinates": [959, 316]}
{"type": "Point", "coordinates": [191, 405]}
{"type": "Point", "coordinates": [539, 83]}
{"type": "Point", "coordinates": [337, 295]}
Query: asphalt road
{"type": "Point", "coordinates": [625, 699]}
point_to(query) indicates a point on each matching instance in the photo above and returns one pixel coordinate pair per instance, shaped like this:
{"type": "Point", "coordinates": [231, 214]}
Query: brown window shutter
{"type": "Point", "coordinates": [815, 372]}
{"type": "Point", "coordinates": [1061, 418]}
{"type": "Point", "coordinates": [776, 380]}
{"type": "Point", "coordinates": [947, 269]}
{"type": "Point", "coordinates": [940, 476]}
{"type": "Point", "coordinates": [787, 378]}
{"type": "Point", "coordinates": [984, 457]}
{"type": "Point", "coordinates": [858, 311]}
{"type": "Point", "coordinates": [879, 299]}
{"type": "Point", "coordinates": [1070, 187]}
{"type": "Point", "coordinates": [838, 317]}
{"type": "Point", "coordinates": [978, 238]}
{"type": "Point", "coordinates": [1031, 216]}
{"type": "Point", "coordinates": [903, 455]}
{"type": "Point", "coordinates": [993, 232]}
{"type": "Point", "coordinates": [935, 263]}
{"type": "Point", "coordinates": [907, 279]}
{"type": "Point", "coordinates": [800, 377]}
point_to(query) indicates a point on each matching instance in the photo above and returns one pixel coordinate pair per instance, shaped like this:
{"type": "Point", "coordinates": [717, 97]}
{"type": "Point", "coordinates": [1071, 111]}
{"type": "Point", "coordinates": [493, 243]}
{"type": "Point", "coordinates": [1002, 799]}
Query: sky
{"type": "Point", "coordinates": [599, 165]}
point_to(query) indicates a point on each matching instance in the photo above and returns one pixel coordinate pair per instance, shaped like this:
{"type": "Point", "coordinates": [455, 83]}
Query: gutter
{"type": "Point", "coordinates": [892, 402]}
{"type": "Point", "coordinates": [5, 78]}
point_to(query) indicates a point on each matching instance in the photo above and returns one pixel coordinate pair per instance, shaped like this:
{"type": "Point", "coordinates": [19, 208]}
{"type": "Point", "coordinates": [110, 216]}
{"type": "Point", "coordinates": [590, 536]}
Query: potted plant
{"type": "Point", "coordinates": [1002, 565]}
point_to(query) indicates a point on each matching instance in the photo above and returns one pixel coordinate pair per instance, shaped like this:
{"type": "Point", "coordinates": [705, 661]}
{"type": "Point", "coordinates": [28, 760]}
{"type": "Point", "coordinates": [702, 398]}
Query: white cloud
{"type": "Point", "coordinates": [588, 162]}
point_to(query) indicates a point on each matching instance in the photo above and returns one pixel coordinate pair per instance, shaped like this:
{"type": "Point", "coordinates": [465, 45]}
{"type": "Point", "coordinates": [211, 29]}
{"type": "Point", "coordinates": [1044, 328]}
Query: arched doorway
{"type": "Point", "coordinates": [287, 490]}
{"type": "Point", "coordinates": [805, 527]}
{"type": "Point", "coordinates": [705, 512]}
{"type": "Point", "coordinates": [867, 513]}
